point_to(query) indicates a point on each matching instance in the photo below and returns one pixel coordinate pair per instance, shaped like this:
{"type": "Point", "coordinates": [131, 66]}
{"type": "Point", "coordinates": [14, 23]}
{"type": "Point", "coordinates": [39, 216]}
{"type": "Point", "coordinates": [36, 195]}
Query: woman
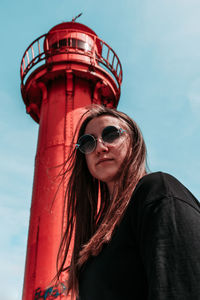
{"type": "Point", "coordinates": [137, 236]}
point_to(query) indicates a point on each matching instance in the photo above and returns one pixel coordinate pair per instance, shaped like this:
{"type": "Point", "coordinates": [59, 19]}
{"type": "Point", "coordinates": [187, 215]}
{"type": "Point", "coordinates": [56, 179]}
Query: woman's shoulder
{"type": "Point", "coordinates": [160, 185]}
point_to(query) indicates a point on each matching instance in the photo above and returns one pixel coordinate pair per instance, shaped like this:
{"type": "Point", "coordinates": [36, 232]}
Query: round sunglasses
{"type": "Point", "coordinates": [87, 143]}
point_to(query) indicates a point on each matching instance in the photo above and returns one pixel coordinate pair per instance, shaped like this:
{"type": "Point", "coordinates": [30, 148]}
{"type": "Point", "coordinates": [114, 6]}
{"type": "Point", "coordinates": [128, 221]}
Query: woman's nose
{"type": "Point", "coordinates": [101, 146]}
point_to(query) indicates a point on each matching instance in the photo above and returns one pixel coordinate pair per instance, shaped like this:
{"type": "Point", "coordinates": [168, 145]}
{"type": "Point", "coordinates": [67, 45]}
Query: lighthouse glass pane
{"type": "Point", "coordinates": [63, 43]}
{"type": "Point", "coordinates": [84, 46]}
{"type": "Point", "coordinates": [55, 45]}
{"type": "Point", "coordinates": [72, 43]}
{"type": "Point", "coordinates": [81, 45]}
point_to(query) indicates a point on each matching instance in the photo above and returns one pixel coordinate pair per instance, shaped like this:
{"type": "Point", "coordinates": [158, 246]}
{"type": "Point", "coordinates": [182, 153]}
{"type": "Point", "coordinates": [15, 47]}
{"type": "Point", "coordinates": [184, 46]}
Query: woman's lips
{"type": "Point", "coordinates": [103, 160]}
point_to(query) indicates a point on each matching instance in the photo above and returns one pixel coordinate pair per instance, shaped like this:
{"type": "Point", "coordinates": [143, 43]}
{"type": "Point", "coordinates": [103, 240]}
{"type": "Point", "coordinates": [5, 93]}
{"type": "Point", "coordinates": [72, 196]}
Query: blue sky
{"type": "Point", "coordinates": [158, 43]}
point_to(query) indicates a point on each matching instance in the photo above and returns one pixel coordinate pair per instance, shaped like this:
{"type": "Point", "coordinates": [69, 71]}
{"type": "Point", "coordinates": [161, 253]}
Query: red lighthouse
{"type": "Point", "coordinates": [62, 71]}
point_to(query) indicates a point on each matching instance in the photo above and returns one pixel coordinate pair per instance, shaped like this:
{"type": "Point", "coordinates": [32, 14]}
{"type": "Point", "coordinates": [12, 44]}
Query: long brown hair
{"type": "Point", "coordinates": [91, 214]}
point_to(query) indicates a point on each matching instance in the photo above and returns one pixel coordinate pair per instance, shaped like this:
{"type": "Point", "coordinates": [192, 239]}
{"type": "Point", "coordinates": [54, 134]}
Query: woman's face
{"type": "Point", "coordinates": [105, 161]}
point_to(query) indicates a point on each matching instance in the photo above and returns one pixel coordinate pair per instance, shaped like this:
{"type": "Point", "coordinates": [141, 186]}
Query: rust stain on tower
{"type": "Point", "coordinates": [62, 71]}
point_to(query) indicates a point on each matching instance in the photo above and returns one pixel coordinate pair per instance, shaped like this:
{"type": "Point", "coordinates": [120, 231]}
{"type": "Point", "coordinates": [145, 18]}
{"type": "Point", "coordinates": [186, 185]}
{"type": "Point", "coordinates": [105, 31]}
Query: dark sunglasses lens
{"type": "Point", "coordinates": [110, 134]}
{"type": "Point", "coordinates": [86, 143]}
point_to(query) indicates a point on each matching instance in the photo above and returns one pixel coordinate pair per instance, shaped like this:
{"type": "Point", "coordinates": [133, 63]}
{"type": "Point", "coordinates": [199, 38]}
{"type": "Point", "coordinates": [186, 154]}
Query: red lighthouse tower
{"type": "Point", "coordinates": [62, 71]}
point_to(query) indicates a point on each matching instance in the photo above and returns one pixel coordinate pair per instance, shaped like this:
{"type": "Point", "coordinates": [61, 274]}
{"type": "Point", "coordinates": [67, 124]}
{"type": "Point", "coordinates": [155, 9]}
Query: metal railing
{"type": "Point", "coordinates": [100, 53]}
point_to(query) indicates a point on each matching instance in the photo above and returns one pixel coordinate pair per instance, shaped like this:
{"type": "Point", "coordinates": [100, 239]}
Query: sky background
{"type": "Point", "coordinates": [158, 43]}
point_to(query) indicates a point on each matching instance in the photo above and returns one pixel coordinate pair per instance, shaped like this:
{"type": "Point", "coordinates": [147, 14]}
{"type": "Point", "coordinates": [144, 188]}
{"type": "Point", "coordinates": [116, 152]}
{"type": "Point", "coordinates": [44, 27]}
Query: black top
{"type": "Point", "coordinates": [154, 252]}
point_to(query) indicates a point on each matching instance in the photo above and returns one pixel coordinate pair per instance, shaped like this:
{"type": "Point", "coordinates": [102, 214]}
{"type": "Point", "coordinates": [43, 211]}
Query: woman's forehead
{"type": "Point", "coordinates": [99, 123]}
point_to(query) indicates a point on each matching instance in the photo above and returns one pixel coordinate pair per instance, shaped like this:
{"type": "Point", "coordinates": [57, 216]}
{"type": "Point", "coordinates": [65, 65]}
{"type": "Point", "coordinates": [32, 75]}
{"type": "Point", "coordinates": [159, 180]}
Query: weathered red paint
{"type": "Point", "coordinates": [61, 72]}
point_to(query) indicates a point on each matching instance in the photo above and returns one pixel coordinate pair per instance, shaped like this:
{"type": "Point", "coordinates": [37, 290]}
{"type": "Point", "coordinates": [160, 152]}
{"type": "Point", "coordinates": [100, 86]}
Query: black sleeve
{"type": "Point", "coordinates": [169, 244]}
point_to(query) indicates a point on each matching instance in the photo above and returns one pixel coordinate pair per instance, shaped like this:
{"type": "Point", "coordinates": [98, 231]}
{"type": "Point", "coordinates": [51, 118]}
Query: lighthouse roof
{"type": "Point", "coordinates": [71, 25]}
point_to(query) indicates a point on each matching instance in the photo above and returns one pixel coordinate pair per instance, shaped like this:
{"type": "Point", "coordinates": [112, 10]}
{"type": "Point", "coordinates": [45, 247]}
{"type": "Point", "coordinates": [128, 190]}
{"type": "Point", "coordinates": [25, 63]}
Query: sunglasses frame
{"type": "Point", "coordinates": [119, 130]}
